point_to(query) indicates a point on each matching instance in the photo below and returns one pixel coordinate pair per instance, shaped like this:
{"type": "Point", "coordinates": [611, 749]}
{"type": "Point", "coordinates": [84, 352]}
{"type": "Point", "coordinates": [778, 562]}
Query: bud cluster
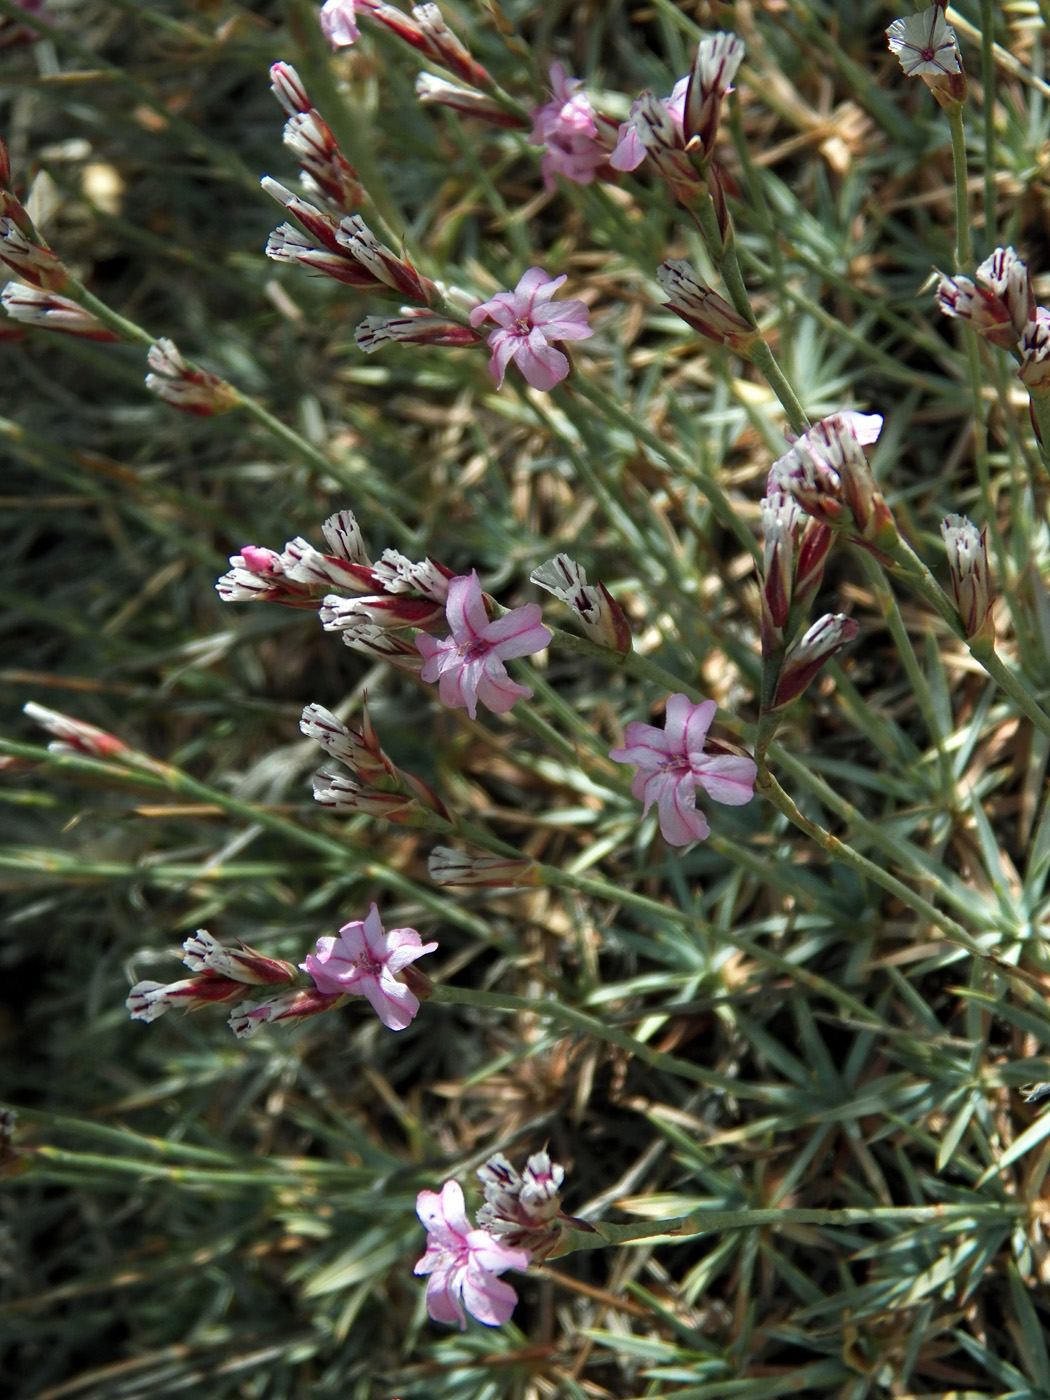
{"type": "Point", "coordinates": [522, 1209]}
{"type": "Point", "coordinates": [376, 787]}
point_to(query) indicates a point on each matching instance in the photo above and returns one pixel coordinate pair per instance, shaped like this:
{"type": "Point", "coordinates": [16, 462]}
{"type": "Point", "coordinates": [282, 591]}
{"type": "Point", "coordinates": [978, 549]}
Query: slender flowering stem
{"type": "Point", "coordinates": [573, 1019]}
{"type": "Point", "coordinates": [614, 412]}
{"type": "Point", "coordinates": [723, 251]}
{"type": "Point", "coordinates": [962, 198]}
{"type": "Point", "coordinates": [953, 931]}
{"type": "Point", "coordinates": [981, 649]}
{"type": "Point", "coordinates": [598, 1234]}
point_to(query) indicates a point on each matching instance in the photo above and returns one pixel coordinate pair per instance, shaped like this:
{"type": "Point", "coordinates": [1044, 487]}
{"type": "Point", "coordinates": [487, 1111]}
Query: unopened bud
{"type": "Point", "coordinates": [33, 306]}
{"type": "Point", "coordinates": [718, 56]}
{"type": "Point", "coordinates": [704, 309]}
{"type": "Point", "coordinates": [292, 1006]}
{"type": "Point", "coordinates": [73, 736]}
{"type": "Point", "coordinates": [449, 867]}
{"type": "Point", "coordinates": [204, 954]}
{"type": "Point", "coordinates": [415, 326]}
{"type": "Point", "coordinates": [1035, 353]}
{"type": "Point", "coordinates": [148, 1000]}
{"type": "Point", "coordinates": [185, 386]}
{"type": "Point", "coordinates": [600, 616]}
{"type": "Point", "coordinates": [819, 644]}
{"type": "Point", "coordinates": [967, 549]}
{"type": "Point", "coordinates": [34, 263]}
{"type": "Point", "coordinates": [999, 306]}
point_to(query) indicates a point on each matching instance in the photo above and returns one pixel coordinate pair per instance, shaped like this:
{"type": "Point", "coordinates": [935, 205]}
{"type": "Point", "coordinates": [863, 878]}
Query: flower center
{"type": "Point", "coordinates": [678, 766]}
{"type": "Point", "coordinates": [366, 963]}
{"type": "Point", "coordinates": [475, 649]}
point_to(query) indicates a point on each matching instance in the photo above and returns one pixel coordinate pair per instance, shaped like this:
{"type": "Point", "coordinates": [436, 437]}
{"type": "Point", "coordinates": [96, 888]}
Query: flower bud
{"type": "Point", "coordinates": [33, 306]}
{"type": "Point", "coordinates": [828, 635]}
{"type": "Point", "coordinates": [967, 549]}
{"type": "Point", "coordinates": [204, 954]}
{"type": "Point", "coordinates": [292, 1006]}
{"type": "Point", "coordinates": [186, 387]}
{"type": "Point", "coordinates": [450, 867]}
{"type": "Point", "coordinates": [704, 309]}
{"type": "Point", "coordinates": [600, 616]}
{"type": "Point", "coordinates": [73, 736]}
{"type": "Point", "coordinates": [718, 56]}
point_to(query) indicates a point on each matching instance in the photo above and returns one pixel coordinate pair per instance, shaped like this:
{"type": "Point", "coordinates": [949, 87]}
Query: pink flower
{"type": "Point", "coordinates": [469, 664]}
{"type": "Point", "coordinates": [363, 961]}
{"type": "Point", "coordinates": [337, 23]}
{"type": "Point", "coordinates": [672, 764]}
{"type": "Point", "coordinates": [463, 1263]}
{"type": "Point", "coordinates": [527, 325]}
{"type": "Point", "coordinates": [566, 127]}
{"type": "Point", "coordinates": [630, 149]}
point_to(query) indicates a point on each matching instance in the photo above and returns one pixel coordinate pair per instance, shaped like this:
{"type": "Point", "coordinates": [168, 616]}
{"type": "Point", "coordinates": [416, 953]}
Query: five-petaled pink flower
{"type": "Point", "coordinates": [566, 126]}
{"type": "Point", "coordinates": [363, 961]}
{"type": "Point", "coordinates": [526, 326]}
{"type": "Point", "coordinates": [469, 664]}
{"type": "Point", "coordinates": [672, 764]}
{"type": "Point", "coordinates": [463, 1263]}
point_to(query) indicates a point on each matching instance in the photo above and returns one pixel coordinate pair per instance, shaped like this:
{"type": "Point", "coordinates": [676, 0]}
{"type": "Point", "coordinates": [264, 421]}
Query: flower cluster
{"type": "Point", "coordinates": [363, 960]}
{"type": "Point", "coordinates": [518, 1222]}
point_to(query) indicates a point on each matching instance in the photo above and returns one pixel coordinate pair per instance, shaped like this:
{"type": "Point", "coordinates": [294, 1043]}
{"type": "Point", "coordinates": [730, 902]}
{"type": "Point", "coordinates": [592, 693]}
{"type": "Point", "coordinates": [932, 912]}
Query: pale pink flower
{"type": "Point", "coordinates": [566, 126]}
{"type": "Point", "coordinates": [363, 961]}
{"type": "Point", "coordinates": [672, 764]}
{"type": "Point", "coordinates": [338, 23]}
{"type": "Point", "coordinates": [630, 148]}
{"type": "Point", "coordinates": [527, 325]}
{"type": "Point", "coordinates": [469, 664]}
{"type": "Point", "coordinates": [463, 1263]}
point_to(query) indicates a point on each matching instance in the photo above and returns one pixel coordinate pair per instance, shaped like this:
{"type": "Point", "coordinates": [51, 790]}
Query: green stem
{"type": "Point", "coordinates": [599, 1233]}
{"type": "Point", "coordinates": [962, 199]}
{"type": "Point", "coordinates": [614, 412]}
{"type": "Point", "coordinates": [981, 649]}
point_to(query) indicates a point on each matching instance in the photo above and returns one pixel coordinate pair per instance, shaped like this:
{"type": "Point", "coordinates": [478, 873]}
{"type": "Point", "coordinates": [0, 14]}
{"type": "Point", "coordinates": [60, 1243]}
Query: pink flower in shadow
{"type": "Point", "coordinates": [527, 323]}
{"type": "Point", "coordinates": [469, 664]}
{"type": "Point", "coordinates": [671, 765]}
{"type": "Point", "coordinates": [566, 126]}
{"type": "Point", "coordinates": [363, 960]}
{"type": "Point", "coordinates": [463, 1263]}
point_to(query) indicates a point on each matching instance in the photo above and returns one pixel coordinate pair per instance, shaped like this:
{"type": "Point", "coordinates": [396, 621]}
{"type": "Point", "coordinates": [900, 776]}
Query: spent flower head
{"type": "Point", "coordinates": [598, 613]}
